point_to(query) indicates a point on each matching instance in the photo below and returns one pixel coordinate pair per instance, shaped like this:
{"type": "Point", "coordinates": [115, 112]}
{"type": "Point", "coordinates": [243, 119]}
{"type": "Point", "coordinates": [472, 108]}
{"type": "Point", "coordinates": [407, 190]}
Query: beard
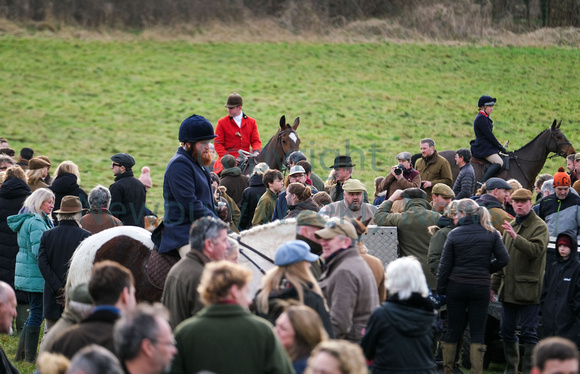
{"type": "Point", "coordinates": [203, 157]}
{"type": "Point", "coordinates": [354, 206]}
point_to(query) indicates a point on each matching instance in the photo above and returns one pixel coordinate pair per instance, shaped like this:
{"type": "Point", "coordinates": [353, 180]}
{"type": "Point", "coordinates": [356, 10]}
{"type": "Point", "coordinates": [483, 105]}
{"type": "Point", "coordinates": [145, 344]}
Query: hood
{"type": "Point", "coordinates": [411, 318]}
{"type": "Point", "coordinates": [15, 222]}
{"type": "Point", "coordinates": [256, 181]}
{"type": "Point", "coordinates": [234, 172]}
{"type": "Point", "coordinates": [64, 183]}
{"type": "Point", "coordinates": [572, 235]}
{"type": "Point", "coordinates": [489, 202]}
{"type": "Point", "coordinates": [412, 203]}
{"type": "Point", "coordinates": [13, 188]}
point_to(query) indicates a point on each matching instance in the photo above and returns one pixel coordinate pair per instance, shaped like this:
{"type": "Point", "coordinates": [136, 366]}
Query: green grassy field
{"type": "Point", "coordinates": [86, 100]}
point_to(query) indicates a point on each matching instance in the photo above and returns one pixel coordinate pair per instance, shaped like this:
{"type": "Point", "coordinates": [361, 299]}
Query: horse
{"type": "Point", "coordinates": [275, 152]}
{"type": "Point", "coordinates": [525, 163]}
{"type": "Point", "coordinates": [132, 247]}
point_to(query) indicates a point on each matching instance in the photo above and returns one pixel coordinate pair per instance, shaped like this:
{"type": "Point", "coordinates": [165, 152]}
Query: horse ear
{"type": "Point", "coordinates": [283, 122]}
{"type": "Point", "coordinates": [296, 123]}
{"type": "Point", "coordinates": [559, 124]}
{"type": "Point", "coordinates": [366, 222]}
{"type": "Point", "coordinates": [553, 125]}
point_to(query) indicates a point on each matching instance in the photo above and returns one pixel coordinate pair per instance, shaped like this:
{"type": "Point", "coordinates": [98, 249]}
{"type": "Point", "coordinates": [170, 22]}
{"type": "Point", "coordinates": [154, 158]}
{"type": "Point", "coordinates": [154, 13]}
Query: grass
{"type": "Point", "coordinates": [86, 100]}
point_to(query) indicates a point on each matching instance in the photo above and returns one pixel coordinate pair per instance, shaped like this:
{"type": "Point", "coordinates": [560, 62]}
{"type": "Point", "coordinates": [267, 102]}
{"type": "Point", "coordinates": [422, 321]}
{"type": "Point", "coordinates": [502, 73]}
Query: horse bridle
{"type": "Point", "coordinates": [278, 140]}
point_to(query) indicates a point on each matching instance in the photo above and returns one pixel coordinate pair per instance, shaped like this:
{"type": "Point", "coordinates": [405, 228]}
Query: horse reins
{"type": "Point", "coordinates": [256, 252]}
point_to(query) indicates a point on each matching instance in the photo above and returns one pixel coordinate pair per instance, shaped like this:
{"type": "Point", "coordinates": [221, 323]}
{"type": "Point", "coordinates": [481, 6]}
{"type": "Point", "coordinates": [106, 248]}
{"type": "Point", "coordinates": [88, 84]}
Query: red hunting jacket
{"type": "Point", "coordinates": [231, 138]}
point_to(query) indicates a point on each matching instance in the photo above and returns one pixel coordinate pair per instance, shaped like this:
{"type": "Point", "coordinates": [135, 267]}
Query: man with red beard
{"type": "Point", "coordinates": [187, 184]}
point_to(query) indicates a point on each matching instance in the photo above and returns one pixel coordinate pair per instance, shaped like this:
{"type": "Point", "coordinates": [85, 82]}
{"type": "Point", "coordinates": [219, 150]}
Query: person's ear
{"type": "Point", "coordinates": [148, 347]}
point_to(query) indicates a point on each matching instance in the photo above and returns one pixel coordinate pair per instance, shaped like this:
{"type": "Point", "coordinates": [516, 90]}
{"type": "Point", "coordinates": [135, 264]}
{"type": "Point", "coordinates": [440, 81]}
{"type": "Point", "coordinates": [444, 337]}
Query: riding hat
{"type": "Point", "coordinates": [70, 204]}
{"type": "Point", "coordinates": [124, 159]}
{"type": "Point", "coordinates": [293, 251]}
{"type": "Point", "coordinates": [234, 100]}
{"type": "Point", "coordinates": [486, 101]}
{"type": "Point", "coordinates": [195, 129]}
{"type": "Point", "coordinates": [342, 162]}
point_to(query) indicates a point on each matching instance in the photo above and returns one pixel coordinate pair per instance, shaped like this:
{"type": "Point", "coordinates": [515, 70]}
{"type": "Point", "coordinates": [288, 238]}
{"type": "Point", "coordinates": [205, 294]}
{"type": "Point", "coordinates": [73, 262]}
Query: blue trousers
{"type": "Point", "coordinates": [528, 317]}
{"type": "Point", "coordinates": [35, 317]}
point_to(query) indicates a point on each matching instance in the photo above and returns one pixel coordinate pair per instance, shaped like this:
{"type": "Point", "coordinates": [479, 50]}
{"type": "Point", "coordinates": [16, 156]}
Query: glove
{"type": "Point", "coordinates": [60, 297]}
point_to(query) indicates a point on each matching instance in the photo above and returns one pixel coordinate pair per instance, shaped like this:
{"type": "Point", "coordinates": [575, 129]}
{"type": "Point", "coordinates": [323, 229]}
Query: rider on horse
{"type": "Point", "coordinates": [235, 132]}
{"type": "Point", "coordinates": [485, 145]}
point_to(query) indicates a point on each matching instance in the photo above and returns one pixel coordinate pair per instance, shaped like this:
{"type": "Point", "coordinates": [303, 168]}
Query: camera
{"type": "Point", "coordinates": [399, 169]}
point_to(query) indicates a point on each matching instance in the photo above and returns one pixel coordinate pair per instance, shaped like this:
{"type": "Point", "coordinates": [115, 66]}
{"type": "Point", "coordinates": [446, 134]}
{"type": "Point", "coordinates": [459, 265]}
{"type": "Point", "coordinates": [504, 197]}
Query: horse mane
{"type": "Point", "coordinates": [529, 144]}
{"type": "Point", "coordinates": [268, 226]}
{"type": "Point", "coordinates": [81, 263]}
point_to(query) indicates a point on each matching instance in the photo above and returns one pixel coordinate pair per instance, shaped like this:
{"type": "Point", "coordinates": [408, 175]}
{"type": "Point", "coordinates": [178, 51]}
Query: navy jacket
{"type": "Point", "coordinates": [470, 255]}
{"type": "Point", "coordinates": [561, 296]}
{"type": "Point", "coordinates": [250, 198]}
{"type": "Point", "coordinates": [485, 143]}
{"type": "Point", "coordinates": [57, 246]}
{"type": "Point", "coordinates": [128, 196]}
{"type": "Point", "coordinates": [66, 184]}
{"type": "Point", "coordinates": [13, 192]}
{"type": "Point", "coordinates": [188, 196]}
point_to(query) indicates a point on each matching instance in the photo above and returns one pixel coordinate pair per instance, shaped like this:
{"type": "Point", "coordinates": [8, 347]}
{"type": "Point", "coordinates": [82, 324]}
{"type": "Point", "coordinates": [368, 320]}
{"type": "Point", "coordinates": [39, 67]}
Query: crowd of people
{"type": "Point", "coordinates": [327, 306]}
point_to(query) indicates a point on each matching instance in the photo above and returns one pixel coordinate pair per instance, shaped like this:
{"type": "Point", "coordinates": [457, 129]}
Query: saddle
{"type": "Point", "coordinates": [158, 266]}
{"type": "Point", "coordinates": [486, 164]}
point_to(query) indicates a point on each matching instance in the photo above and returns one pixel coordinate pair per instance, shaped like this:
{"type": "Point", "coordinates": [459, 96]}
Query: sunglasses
{"type": "Point", "coordinates": [119, 165]}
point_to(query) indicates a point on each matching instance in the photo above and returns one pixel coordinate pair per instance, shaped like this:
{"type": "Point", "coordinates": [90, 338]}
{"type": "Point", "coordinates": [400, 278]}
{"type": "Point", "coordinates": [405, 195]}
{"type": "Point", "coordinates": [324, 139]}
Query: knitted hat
{"type": "Point", "coordinates": [145, 177]}
{"type": "Point", "coordinates": [564, 239]}
{"type": "Point", "coordinates": [561, 178]}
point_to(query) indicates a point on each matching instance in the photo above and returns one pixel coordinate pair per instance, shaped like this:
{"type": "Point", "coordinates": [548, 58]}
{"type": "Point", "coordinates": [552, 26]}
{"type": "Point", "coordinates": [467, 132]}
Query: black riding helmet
{"type": "Point", "coordinates": [486, 101]}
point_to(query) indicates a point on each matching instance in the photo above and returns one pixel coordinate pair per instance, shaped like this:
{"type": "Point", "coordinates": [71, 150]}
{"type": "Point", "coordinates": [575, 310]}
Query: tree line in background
{"type": "Point", "coordinates": [139, 14]}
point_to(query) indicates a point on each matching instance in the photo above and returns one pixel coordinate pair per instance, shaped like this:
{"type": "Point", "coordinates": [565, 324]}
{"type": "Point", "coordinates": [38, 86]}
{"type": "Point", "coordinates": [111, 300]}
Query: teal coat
{"type": "Point", "coordinates": [29, 228]}
{"type": "Point", "coordinates": [228, 339]}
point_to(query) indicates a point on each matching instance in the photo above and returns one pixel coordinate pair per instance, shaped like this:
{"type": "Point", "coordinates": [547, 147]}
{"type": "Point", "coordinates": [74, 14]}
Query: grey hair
{"type": "Point", "coordinates": [260, 169]}
{"type": "Point", "coordinates": [70, 217]}
{"type": "Point", "coordinates": [8, 159]}
{"type": "Point", "coordinates": [100, 197]}
{"type": "Point", "coordinates": [548, 186]}
{"type": "Point", "coordinates": [234, 246]}
{"type": "Point", "coordinates": [205, 228]}
{"type": "Point", "coordinates": [405, 277]}
{"type": "Point", "coordinates": [36, 199]}
{"type": "Point", "coordinates": [134, 327]}
{"type": "Point", "coordinates": [94, 359]}
{"type": "Point", "coordinates": [429, 141]}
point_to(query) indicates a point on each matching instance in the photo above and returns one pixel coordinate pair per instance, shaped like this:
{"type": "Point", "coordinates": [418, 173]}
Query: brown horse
{"type": "Point", "coordinates": [274, 153]}
{"type": "Point", "coordinates": [525, 163]}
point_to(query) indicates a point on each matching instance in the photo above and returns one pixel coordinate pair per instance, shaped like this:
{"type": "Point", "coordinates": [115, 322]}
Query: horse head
{"type": "Point", "coordinates": [287, 136]}
{"type": "Point", "coordinates": [559, 144]}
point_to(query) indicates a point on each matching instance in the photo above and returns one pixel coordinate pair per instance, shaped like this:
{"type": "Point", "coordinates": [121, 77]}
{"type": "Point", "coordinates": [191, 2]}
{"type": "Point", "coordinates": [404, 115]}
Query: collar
{"type": "Point", "coordinates": [483, 113]}
{"type": "Point", "coordinates": [520, 220]}
{"type": "Point", "coordinates": [110, 308]}
{"type": "Point", "coordinates": [127, 173]}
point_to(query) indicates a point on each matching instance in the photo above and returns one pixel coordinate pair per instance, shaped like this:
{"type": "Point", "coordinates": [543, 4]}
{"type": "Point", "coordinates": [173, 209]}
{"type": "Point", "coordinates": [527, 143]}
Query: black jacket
{"type": "Point", "coordinates": [561, 296]}
{"type": "Point", "coordinates": [250, 198]}
{"type": "Point", "coordinates": [470, 255]}
{"type": "Point", "coordinates": [13, 192]}
{"type": "Point", "coordinates": [399, 336]}
{"type": "Point", "coordinates": [57, 246]}
{"type": "Point", "coordinates": [66, 184]}
{"type": "Point", "coordinates": [128, 199]}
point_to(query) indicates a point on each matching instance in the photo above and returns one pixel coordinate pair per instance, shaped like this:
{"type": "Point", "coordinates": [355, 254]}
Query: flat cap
{"type": "Point", "coordinates": [521, 194]}
{"type": "Point", "coordinates": [335, 227]}
{"type": "Point", "coordinates": [311, 218]}
{"type": "Point", "coordinates": [354, 185]}
{"type": "Point", "coordinates": [124, 159]}
{"type": "Point", "coordinates": [493, 183]}
{"type": "Point", "coordinates": [443, 190]}
{"type": "Point", "coordinates": [297, 169]}
{"type": "Point", "coordinates": [37, 163]}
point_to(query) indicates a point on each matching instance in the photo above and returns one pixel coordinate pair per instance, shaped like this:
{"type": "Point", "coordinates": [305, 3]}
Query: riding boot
{"type": "Point", "coordinates": [21, 317]}
{"type": "Point", "coordinates": [448, 350]}
{"type": "Point", "coordinates": [21, 342]}
{"type": "Point", "coordinates": [511, 352]}
{"type": "Point", "coordinates": [31, 344]}
{"type": "Point", "coordinates": [491, 171]}
{"type": "Point", "coordinates": [527, 362]}
{"type": "Point", "coordinates": [476, 353]}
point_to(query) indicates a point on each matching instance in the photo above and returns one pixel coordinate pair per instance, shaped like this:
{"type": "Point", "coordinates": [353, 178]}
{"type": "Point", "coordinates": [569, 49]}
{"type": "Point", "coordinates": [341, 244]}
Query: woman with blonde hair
{"type": "Point", "coordinates": [29, 225]}
{"type": "Point", "coordinates": [299, 198]}
{"type": "Point", "coordinates": [291, 282]}
{"type": "Point", "coordinates": [66, 182]}
{"type": "Point", "coordinates": [337, 357]}
{"type": "Point", "coordinates": [508, 205]}
{"type": "Point", "coordinates": [37, 171]}
{"type": "Point", "coordinates": [224, 337]}
{"type": "Point", "coordinates": [300, 330]}
{"type": "Point", "coordinates": [472, 252]}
